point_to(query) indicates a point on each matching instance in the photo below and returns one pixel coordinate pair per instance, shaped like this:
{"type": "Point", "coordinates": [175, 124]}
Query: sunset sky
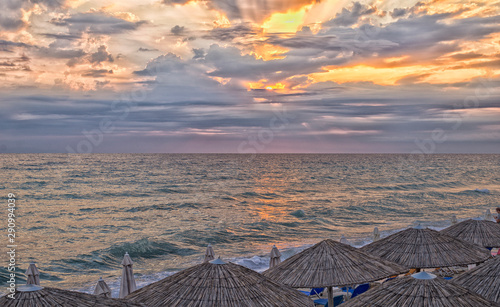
{"type": "Point", "coordinates": [250, 76]}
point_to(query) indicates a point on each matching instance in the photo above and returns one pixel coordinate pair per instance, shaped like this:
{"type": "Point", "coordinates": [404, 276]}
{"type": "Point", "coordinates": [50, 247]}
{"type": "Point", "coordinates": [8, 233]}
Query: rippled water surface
{"type": "Point", "coordinates": [78, 214]}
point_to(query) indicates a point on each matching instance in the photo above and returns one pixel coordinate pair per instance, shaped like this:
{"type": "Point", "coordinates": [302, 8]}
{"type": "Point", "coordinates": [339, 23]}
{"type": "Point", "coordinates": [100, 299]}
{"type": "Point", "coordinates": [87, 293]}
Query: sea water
{"type": "Point", "coordinates": [78, 214]}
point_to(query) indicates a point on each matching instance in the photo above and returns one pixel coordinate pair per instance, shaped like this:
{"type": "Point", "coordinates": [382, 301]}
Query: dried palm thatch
{"type": "Point", "coordinates": [483, 279]}
{"type": "Point", "coordinates": [218, 284]}
{"type": "Point", "coordinates": [426, 248]}
{"type": "Point", "coordinates": [420, 289]}
{"type": "Point", "coordinates": [480, 232]}
{"type": "Point", "coordinates": [330, 263]}
{"type": "Point", "coordinates": [36, 296]}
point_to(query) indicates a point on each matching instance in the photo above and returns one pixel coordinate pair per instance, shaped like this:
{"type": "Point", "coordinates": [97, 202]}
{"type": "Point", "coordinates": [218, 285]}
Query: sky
{"type": "Point", "coordinates": [249, 76]}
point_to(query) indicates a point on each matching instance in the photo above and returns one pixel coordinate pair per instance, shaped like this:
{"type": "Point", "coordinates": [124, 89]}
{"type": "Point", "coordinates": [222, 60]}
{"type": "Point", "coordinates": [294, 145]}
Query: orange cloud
{"type": "Point", "coordinates": [268, 52]}
{"type": "Point", "coordinates": [262, 84]}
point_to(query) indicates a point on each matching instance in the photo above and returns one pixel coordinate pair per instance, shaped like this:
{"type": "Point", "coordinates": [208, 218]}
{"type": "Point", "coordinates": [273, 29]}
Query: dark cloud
{"type": "Point", "coordinates": [228, 62]}
{"type": "Point", "coordinates": [102, 55]}
{"type": "Point", "coordinates": [177, 30]}
{"type": "Point", "coordinates": [10, 23]}
{"type": "Point", "coordinates": [242, 30]}
{"type": "Point", "coordinates": [175, 1]}
{"type": "Point", "coordinates": [15, 63]}
{"type": "Point", "coordinates": [11, 12]}
{"type": "Point", "coordinates": [62, 36]}
{"type": "Point", "coordinates": [97, 73]}
{"type": "Point", "coordinates": [95, 23]}
{"type": "Point", "coordinates": [399, 12]}
{"type": "Point", "coordinates": [466, 56]}
{"type": "Point", "coordinates": [198, 53]}
{"type": "Point", "coordinates": [437, 35]}
{"type": "Point", "coordinates": [8, 46]}
{"type": "Point", "coordinates": [141, 49]}
{"type": "Point", "coordinates": [53, 52]}
{"type": "Point", "coordinates": [348, 17]}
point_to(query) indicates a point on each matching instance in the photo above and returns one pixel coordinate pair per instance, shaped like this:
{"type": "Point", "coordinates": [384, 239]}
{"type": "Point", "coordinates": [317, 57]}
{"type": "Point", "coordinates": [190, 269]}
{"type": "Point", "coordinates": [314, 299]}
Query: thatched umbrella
{"type": "Point", "coordinates": [101, 288]}
{"type": "Point", "coordinates": [32, 275]}
{"type": "Point", "coordinates": [376, 234]}
{"type": "Point", "coordinates": [127, 284]}
{"type": "Point", "coordinates": [330, 264]}
{"type": "Point", "coordinates": [418, 248]}
{"type": "Point", "coordinates": [483, 279]}
{"type": "Point", "coordinates": [218, 284]}
{"type": "Point", "coordinates": [480, 232]}
{"type": "Point", "coordinates": [421, 289]}
{"type": "Point", "coordinates": [36, 296]}
{"type": "Point", "coordinates": [209, 254]}
{"type": "Point", "coordinates": [275, 257]}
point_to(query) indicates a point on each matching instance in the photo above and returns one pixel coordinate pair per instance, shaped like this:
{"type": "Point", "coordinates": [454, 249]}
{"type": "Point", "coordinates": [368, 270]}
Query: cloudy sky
{"type": "Point", "coordinates": [250, 76]}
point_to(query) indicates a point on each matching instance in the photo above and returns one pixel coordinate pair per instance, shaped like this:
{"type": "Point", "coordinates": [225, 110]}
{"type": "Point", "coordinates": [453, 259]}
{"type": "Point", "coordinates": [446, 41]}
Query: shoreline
{"type": "Point", "coordinates": [260, 262]}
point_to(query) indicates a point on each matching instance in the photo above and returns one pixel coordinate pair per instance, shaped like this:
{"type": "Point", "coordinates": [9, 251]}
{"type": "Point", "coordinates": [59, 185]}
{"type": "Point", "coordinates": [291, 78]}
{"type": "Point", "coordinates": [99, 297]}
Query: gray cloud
{"type": "Point", "coordinates": [11, 12]}
{"type": "Point", "coordinates": [95, 23]}
{"type": "Point", "coordinates": [102, 55]}
{"type": "Point", "coordinates": [97, 73]}
{"type": "Point", "coordinates": [349, 17]}
{"type": "Point", "coordinates": [177, 30]}
{"type": "Point", "coordinates": [142, 49]}
{"type": "Point", "coordinates": [389, 120]}
{"type": "Point", "coordinates": [198, 53]}
{"type": "Point", "coordinates": [242, 30]}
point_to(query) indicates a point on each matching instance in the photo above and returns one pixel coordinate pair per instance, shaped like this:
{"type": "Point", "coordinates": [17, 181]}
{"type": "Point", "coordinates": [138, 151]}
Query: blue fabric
{"type": "Point", "coordinates": [314, 291]}
{"type": "Point", "coordinates": [360, 289]}
{"type": "Point", "coordinates": [391, 278]}
{"type": "Point", "coordinates": [337, 300]}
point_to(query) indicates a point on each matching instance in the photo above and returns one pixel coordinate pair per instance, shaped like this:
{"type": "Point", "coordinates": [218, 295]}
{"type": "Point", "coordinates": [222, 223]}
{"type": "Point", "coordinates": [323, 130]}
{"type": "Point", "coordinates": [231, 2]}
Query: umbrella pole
{"type": "Point", "coordinates": [330, 296]}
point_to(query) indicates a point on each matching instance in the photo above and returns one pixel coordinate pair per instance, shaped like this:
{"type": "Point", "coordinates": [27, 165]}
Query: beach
{"type": "Point", "coordinates": [79, 214]}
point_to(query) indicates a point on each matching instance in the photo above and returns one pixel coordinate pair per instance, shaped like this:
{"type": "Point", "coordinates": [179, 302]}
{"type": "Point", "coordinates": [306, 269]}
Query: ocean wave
{"type": "Point", "coordinates": [110, 258]}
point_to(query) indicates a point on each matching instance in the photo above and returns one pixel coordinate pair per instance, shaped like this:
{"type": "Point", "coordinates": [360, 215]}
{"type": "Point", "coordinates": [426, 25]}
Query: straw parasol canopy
{"type": "Point", "coordinates": [421, 289]}
{"type": "Point", "coordinates": [417, 248]}
{"type": "Point", "coordinates": [101, 288]}
{"type": "Point", "coordinates": [483, 279]}
{"type": "Point", "coordinates": [209, 254]}
{"type": "Point", "coordinates": [218, 284]}
{"type": "Point", "coordinates": [275, 257]}
{"type": "Point", "coordinates": [32, 275]}
{"type": "Point", "coordinates": [480, 232]}
{"type": "Point", "coordinates": [36, 296]}
{"type": "Point", "coordinates": [127, 284]}
{"type": "Point", "coordinates": [330, 263]}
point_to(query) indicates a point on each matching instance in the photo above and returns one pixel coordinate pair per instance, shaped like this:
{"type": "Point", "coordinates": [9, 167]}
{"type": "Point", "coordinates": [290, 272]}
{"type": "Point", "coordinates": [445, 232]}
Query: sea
{"type": "Point", "coordinates": [77, 215]}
